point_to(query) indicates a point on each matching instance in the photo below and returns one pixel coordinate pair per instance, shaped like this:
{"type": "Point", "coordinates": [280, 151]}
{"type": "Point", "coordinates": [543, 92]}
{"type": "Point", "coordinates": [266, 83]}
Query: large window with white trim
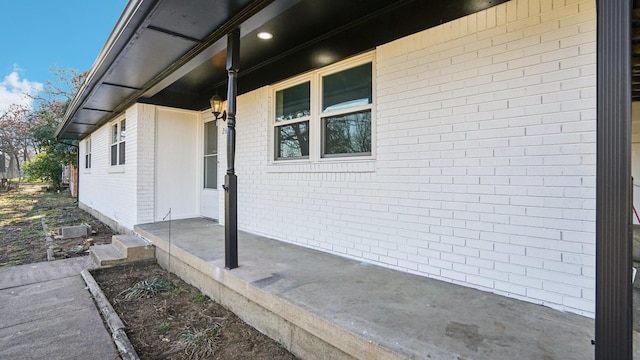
{"type": "Point", "coordinates": [118, 134]}
{"type": "Point", "coordinates": [326, 114]}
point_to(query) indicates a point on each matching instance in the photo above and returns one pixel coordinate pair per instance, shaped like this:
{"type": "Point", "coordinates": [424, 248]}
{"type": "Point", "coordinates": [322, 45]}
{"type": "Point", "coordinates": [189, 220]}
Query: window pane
{"type": "Point", "coordinates": [123, 129]}
{"type": "Point", "coordinates": [347, 88]}
{"type": "Point", "coordinates": [210, 138]}
{"type": "Point", "coordinates": [114, 133]}
{"type": "Point", "coordinates": [122, 157]}
{"type": "Point", "coordinates": [211, 172]}
{"type": "Point", "coordinates": [292, 140]}
{"type": "Point", "coordinates": [294, 102]}
{"type": "Point", "coordinates": [348, 134]}
{"type": "Point", "coordinates": [114, 154]}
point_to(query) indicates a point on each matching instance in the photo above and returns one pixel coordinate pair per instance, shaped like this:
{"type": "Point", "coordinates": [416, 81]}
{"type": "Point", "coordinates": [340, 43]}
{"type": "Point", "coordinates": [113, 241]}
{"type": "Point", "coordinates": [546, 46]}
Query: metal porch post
{"type": "Point", "coordinates": [230, 179]}
{"type": "Point", "coordinates": [613, 182]}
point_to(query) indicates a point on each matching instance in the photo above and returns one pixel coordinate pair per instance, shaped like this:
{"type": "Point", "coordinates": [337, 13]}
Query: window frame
{"type": "Point", "coordinates": [205, 155]}
{"type": "Point", "coordinates": [276, 124]}
{"type": "Point", "coordinates": [87, 154]}
{"type": "Point", "coordinates": [119, 143]}
{"type": "Point", "coordinates": [316, 118]}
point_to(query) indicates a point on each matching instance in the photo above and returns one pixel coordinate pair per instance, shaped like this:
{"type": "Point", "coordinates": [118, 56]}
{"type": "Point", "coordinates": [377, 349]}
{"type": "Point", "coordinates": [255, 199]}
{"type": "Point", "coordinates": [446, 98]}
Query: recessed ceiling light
{"type": "Point", "coordinates": [265, 35]}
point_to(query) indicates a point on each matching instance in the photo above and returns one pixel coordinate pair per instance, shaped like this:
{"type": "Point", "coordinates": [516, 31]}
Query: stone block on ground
{"type": "Point", "coordinates": [70, 232]}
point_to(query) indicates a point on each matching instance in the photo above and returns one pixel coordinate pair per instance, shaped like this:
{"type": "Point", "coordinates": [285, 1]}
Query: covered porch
{"type": "Point", "coordinates": [155, 58]}
{"type": "Point", "coordinates": [323, 306]}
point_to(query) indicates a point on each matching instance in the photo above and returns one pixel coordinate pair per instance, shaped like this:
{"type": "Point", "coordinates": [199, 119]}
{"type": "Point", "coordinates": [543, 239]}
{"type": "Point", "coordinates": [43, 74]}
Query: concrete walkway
{"type": "Point", "coordinates": [412, 316]}
{"type": "Point", "coordinates": [46, 312]}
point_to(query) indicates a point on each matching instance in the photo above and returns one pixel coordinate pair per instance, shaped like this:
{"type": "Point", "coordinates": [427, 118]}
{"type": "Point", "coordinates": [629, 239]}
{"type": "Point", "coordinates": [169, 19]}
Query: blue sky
{"type": "Point", "coordinates": [37, 35]}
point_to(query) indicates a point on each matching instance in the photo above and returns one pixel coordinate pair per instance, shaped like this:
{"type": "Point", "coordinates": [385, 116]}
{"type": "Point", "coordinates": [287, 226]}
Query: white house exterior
{"type": "Point", "coordinates": [481, 169]}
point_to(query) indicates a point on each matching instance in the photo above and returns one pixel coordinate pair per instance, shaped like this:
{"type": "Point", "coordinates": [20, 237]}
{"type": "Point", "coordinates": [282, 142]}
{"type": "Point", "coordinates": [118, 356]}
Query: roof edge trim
{"type": "Point", "coordinates": [102, 63]}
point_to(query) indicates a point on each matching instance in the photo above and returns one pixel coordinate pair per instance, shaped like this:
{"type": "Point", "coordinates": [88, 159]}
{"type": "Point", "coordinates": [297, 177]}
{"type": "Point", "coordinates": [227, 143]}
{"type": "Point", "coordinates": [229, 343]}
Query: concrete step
{"type": "Point", "coordinates": [123, 249]}
{"type": "Point", "coordinates": [107, 254]}
{"type": "Point", "coordinates": [133, 247]}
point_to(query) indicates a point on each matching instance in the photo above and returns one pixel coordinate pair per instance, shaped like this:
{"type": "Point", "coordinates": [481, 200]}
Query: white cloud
{"type": "Point", "coordinates": [14, 90]}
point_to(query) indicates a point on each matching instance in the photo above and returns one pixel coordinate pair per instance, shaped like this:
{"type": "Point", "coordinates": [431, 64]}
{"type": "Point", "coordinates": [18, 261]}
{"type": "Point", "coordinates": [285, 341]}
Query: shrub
{"type": "Point", "coordinates": [46, 168]}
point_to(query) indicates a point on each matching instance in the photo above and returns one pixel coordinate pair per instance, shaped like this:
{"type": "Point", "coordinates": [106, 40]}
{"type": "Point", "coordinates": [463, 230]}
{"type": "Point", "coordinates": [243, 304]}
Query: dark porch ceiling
{"type": "Point", "coordinates": [173, 52]}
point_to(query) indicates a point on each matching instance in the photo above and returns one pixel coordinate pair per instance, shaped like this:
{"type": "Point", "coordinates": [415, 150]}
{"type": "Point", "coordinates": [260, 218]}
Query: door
{"type": "Point", "coordinates": [209, 203]}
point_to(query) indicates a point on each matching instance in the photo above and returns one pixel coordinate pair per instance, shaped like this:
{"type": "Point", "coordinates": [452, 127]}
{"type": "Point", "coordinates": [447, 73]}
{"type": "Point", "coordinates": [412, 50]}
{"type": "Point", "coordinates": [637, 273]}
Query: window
{"type": "Point", "coordinates": [330, 108]}
{"type": "Point", "coordinates": [87, 154]}
{"type": "Point", "coordinates": [346, 112]}
{"type": "Point", "coordinates": [118, 132]}
{"type": "Point", "coordinates": [211, 155]}
{"type": "Point", "coordinates": [293, 111]}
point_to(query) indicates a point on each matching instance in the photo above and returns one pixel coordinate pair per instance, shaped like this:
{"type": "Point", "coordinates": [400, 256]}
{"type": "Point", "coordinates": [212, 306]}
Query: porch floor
{"type": "Point", "coordinates": [413, 316]}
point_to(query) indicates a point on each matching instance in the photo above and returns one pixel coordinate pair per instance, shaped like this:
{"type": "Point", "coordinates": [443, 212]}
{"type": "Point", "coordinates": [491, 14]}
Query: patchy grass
{"type": "Point", "coordinates": [148, 288]}
{"type": "Point", "coordinates": [199, 344]}
{"type": "Point", "coordinates": [22, 212]}
{"type": "Point", "coordinates": [165, 326]}
{"type": "Point", "coordinates": [199, 298]}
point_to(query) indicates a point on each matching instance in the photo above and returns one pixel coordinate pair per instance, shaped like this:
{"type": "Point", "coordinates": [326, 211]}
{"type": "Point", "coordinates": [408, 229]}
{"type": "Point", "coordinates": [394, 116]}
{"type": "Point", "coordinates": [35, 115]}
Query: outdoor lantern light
{"type": "Point", "coordinates": [216, 107]}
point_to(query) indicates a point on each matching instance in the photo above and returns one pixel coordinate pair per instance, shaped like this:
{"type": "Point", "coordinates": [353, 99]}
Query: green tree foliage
{"type": "Point", "coordinates": [53, 155]}
{"type": "Point", "coordinates": [44, 167]}
{"type": "Point", "coordinates": [45, 141]}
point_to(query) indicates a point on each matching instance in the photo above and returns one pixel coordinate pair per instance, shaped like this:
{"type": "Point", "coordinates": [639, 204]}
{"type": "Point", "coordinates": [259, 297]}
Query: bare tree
{"type": "Point", "coordinates": [15, 135]}
{"type": "Point", "coordinates": [53, 100]}
{"type": "Point", "coordinates": [25, 131]}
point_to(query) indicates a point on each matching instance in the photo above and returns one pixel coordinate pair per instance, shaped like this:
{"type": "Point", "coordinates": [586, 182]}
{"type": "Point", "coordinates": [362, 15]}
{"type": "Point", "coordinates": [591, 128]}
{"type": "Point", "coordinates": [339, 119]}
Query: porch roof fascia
{"type": "Point", "coordinates": [134, 17]}
{"type": "Point", "coordinates": [150, 30]}
{"type": "Point", "coordinates": [134, 13]}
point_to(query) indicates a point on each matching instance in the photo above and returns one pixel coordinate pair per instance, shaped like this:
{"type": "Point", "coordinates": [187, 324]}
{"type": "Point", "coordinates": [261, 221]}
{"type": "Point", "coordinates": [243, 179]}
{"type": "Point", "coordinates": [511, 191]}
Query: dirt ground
{"type": "Point", "coordinates": [179, 322]}
{"type": "Point", "coordinates": [22, 212]}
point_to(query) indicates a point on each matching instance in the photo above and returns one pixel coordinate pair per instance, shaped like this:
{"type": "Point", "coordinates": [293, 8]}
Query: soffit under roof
{"type": "Point", "coordinates": [173, 52]}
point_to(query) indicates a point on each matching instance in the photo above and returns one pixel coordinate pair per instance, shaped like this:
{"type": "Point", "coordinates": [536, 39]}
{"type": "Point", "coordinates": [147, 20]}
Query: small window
{"type": "Point", "coordinates": [211, 155]}
{"type": "Point", "coordinates": [87, 154]}
{"type": "Point", "coordinates": [118, 150]}
{"type": "Point", "coordinates": [293, 111]}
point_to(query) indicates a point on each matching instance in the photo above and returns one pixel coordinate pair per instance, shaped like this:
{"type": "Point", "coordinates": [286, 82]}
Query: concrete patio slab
{"type": "Point", "coordinates": [343, 301]}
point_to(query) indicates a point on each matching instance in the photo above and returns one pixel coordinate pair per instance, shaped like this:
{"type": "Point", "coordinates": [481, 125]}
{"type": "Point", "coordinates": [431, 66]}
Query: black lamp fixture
{"type": "Point", "coordinates": [216, 107]}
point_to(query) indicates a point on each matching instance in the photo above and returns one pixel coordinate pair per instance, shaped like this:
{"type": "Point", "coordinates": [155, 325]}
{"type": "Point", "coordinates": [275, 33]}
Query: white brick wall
{"type": "Point", "coordinates": [484, 168]}
{"type": "Point", "coordinates": [145, 186]}
{"type": "Point", "coordinates": [485, 160]}
{"type": "Point", "coordinates": [115, 192]}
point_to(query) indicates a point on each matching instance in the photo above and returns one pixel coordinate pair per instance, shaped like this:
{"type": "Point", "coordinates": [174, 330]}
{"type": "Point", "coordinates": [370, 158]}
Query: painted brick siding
{"type": "Point", "coordinates": [113, 193]}
{"type": "Point", "coordinates": [485, 159]}
{"type": "Point", "coordinates": [145, 150]}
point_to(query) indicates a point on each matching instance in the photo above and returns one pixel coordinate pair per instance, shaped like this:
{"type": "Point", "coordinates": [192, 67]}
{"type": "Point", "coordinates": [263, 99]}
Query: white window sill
{"type": "Point", "coordinates": [324, 166]}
